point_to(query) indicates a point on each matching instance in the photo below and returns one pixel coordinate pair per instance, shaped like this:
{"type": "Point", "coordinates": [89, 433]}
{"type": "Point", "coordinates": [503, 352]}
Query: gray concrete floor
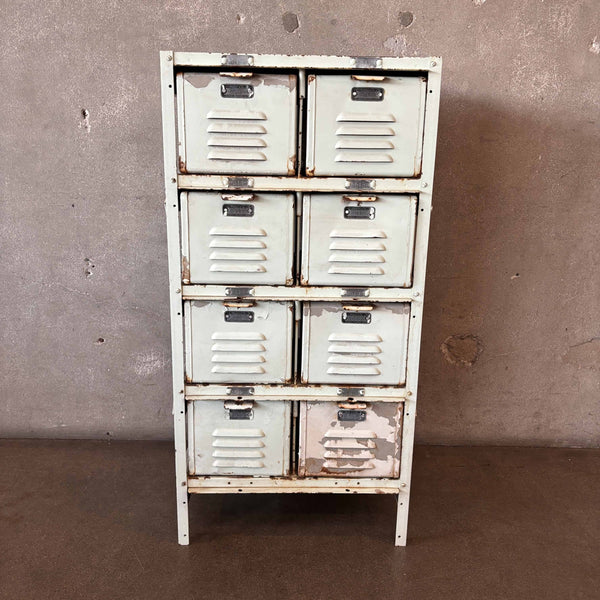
{"type": "Point", "coordinates": [85, 519]}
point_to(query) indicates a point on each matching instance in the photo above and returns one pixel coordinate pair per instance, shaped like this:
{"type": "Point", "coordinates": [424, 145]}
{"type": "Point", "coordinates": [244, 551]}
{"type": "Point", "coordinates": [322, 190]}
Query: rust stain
{"type": "Point", "coordinates": [185, 269]}
{"type": "Point", "coordinates": [310, 172]}
{"type": "Point", "coordinates": [291, 165]}
{"type": "Point", "coordinates": [182, 166]}
{"type": "Point", "coordinates": [311, 78]}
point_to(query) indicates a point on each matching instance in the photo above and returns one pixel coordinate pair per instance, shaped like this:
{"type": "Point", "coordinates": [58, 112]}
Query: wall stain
{"type": "Point", "coordinates": [462, 350]}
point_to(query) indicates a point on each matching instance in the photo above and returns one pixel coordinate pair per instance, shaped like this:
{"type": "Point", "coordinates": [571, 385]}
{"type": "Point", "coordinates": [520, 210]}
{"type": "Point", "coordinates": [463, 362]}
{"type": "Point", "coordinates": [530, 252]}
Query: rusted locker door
{"type": "Point", "coordinates": [238, 438]}
{"type": "Point", "coordinates": [233, 238]}
{"type": "Point", "coordinates": [350, 440]}
{"type": "Point", "coordinates": [358, 240]}
{"type": "Point", "coordinates": [365, 125]}
{"type": "Point", "coordinates": [238, 342]}
{"type": "Point", "coordinates": [360, 344]}
{"type": "Point", "coordinates": [237, 124]}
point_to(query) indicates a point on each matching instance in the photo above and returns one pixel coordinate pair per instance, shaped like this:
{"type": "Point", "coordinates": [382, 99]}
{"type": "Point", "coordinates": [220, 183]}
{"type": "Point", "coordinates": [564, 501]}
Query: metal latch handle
{"type": "Point", "coordinates": [360, 198]}
{"type": "Point", "coordinates": [353, 405]}
{"type": "Point", "coordinates": [233, 405]}
{"type": "Point", "coordinates": [239, 197]}
{"type": "Point", "coordinates": [241, 74]}
{"type": "Point", "coordinates": [368, 77]}
{"type": "Point", "coordinates": [236, 304]}
{"type": "Point", "coordinates": [358, 307]}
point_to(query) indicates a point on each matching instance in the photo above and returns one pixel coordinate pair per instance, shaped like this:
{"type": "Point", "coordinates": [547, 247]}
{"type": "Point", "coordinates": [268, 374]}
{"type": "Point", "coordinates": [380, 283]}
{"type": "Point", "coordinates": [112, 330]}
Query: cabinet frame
{"type": "Point", "coordinates": [170, 64]}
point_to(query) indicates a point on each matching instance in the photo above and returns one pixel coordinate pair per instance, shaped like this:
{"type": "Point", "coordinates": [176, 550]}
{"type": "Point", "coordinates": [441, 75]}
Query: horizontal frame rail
{"type": "Point", "coordinates": [299, 293]}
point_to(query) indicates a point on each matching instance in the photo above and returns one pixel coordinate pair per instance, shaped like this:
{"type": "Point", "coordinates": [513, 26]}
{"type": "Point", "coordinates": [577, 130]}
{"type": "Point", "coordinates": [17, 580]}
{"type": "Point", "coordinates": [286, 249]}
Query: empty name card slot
{"type": "Point", "coordinates": [238, 210]}
{"type": "Point", "coordinates": [239, 316]}
{"type": "Point", "coordinates": [351, 415]}
{"type": "Point", "coordinates": [367, 94]}
{"type": "Point", "coordinates": [359, 212]}
{"type": "Point", "coordinates": [237, 90]}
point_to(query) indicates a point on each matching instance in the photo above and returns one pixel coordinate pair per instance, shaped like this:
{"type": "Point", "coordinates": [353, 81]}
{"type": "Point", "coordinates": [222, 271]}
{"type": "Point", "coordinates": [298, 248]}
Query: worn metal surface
{"type": "Point", "coordinates": [365, 125]}
{"type": "Point", "coordinates": [238, 438]}
{"type": "Point", "coordinates": [237, 238]}
{"type": "Point", "coordinates": [238, 342]}
{"type": "Point", "coordinates": [359, 439]}
{"type": "Point", "coordinates": [366, 347]}
{"type": "Point", "coordinates": [232, 124]}
{"type": "Point", "coordinates": [372, 246]}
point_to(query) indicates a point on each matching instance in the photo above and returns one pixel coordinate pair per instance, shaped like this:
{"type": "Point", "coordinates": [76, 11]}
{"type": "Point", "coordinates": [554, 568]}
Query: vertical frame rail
{"type": "Point", "coordinates": [416, 308]}
{"type": "Point", "coordinates": [167, 77]}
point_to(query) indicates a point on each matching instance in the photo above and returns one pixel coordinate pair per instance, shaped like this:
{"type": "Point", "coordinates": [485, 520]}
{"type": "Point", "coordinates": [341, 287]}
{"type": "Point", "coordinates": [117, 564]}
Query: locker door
{"type": "Point", "coordinates": [237, 123]}
{"type": "Point", "coordinates": [350, 439]}
{"type": "Point", "coordinates": [358, 240]}
{"type": "Point", "coordinates": [233, 238]}
{"type": "Point", "coordinates": [354, 343]}
{"type": "Point", "coordinates": [365, 125]}
{"type": "Point", "coordinates": [238, 438]}
{"type": "Point", "coordinates": [238, 342]}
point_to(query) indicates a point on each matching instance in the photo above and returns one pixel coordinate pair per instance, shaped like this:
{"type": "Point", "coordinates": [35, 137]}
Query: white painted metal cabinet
{"type": "Point", "coordinates": [358, 240]}
{"type": "Point", "coordinates": [237, 238]}
{"type": "Point", "coordinates": [298, 200]}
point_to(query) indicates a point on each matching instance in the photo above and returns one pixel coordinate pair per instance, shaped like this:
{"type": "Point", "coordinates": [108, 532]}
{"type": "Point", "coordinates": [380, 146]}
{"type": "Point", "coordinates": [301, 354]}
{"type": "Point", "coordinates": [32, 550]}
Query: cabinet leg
{"type": "Point", "coordinates": [401, 520]}
{"type": "Point", "coordinates": [183, 526]}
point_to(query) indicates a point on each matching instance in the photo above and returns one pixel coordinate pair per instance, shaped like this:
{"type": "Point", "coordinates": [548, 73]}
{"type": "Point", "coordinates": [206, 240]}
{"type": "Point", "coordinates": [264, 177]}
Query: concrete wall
{"type": "Point", "coordinates": [84, 334]}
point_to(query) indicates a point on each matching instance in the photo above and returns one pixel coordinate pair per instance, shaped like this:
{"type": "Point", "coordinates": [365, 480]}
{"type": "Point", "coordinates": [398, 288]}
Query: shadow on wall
{"type": "Point", "coordinates": [512, 205]}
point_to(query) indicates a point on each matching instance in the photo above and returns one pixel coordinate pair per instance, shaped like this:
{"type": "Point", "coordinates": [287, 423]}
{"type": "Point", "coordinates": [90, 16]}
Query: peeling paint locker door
{"type": "Point", "coordinates": [350, 439]}
{"type": "Point", "coordinates": [358, 240]}
{"type": "Point", "coordinates": [235, 238]}
{"type": "Point", "coordinates": [237, 123]}
{"type": "Point", "coordinates": [360, 344]}
{"type": "Point", "coordinates": [238, 342]}
{"type": "Point", "coordinates": [365, 125]}
{"type": "Point", "coordinates": [238, 438]}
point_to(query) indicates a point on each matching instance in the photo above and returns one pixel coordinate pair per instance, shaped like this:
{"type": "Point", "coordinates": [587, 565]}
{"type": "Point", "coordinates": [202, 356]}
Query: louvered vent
{"type": "Point", "coordinates": [237, 250]}
{"type": "Point", "coordinates": [238, 352]}
{"type": "Point", "coordinates": [353, 354]}
{"type": "Point", "coordinates": [349, 450]}
{"type": "Point", "coordinates": [364, 137]}
{"type": "Point", "coordinates": [236, 135]}
{"type": "Point", "coordinates": [357, 252]}
{"type": "Point", "coordinates": [238, 448]}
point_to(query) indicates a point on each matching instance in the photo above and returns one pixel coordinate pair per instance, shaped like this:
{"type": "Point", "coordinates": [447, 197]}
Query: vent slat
{"type": "Point", "coordinates": [235, 155]}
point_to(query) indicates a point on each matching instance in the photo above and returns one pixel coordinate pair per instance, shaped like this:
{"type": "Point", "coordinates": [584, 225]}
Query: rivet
{"type": "Point", "coordinates": [173, 180]}
{"type": "Point", "coordinates": [403, 485]}
{"type": "Point", "coordinates": [433, 63]}
{"type": "Point", "coordinates": [169, 57]}
{"type": "Point", "coordinates": [416, 294]}
{"type": "Point", "coordinates": [424, 184]}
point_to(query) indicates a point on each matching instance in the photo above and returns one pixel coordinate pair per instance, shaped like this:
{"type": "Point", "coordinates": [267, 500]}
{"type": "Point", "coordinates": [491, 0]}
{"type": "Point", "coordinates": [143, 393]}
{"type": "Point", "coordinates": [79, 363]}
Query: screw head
{"type": "Point", "coordinates": [416, 294]}
{"type": "Point", "coordinates": [425, 184]}
{"type": "Point", "coordinates": [433, 63]}
{"type": "Point", "coordinates": [169, 57]}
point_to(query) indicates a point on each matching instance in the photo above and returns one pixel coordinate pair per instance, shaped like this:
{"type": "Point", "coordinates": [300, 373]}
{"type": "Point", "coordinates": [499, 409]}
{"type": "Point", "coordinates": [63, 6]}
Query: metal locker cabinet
{"type": "Point", "coordinates": [360, 344]}
{"type": "Point", "coordinates": [237, 123]}
{"type": "Point", "coordinates": [238, 341]}
{"type": "Point", "coordinates": [362, 240]}
{"type": "Point", "coordinates": [238, 438]}
{"type": "Point", "coordinates": [350, 439]}
{"type": "Point", "coordinates": [365, 125]}
{"type": "Point", "coordinates": [296, 373]}
{"type": "Point", "coordinates": [237, 237]}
